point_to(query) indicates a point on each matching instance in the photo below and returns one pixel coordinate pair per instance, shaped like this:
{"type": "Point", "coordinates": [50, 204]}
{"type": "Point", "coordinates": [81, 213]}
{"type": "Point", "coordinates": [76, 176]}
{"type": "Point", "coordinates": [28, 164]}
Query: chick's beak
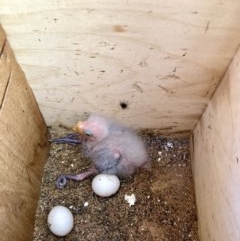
{"type": "Point", "coordinates": [79, 127]}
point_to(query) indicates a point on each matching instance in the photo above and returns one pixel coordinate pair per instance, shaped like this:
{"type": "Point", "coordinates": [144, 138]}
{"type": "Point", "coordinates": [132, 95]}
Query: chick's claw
{"type": "Point", "coordinates": [61, 181]}
{"type": "Point", "coordinates": [72, 139]}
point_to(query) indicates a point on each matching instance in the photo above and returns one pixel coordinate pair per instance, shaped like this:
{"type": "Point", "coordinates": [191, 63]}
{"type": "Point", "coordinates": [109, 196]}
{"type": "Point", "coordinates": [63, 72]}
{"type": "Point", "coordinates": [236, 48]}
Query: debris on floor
{"type": "Point", "coordinates": [156, 204]}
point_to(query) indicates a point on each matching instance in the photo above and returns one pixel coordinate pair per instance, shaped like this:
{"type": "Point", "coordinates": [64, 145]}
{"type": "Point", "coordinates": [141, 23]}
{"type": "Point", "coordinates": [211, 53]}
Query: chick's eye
{"type": "Point", "coordinates": [88, 133]}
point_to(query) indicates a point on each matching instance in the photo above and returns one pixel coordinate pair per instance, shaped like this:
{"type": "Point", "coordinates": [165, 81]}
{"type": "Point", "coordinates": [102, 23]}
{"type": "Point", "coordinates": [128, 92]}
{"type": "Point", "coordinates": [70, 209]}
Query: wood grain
{"type": "Point", "coordinates": [23, 150]}
{"type": "Point", "coordinates": [216, 161]}
{"type": "Point", "coordinates": [164, 57]}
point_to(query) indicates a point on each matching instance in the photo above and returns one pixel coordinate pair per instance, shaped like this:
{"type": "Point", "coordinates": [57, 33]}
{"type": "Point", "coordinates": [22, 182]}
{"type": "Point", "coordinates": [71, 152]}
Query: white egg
{"type": "Point", "coordinates": [60, 220]}
{"type": "Point", "coordinates": [105, 185]}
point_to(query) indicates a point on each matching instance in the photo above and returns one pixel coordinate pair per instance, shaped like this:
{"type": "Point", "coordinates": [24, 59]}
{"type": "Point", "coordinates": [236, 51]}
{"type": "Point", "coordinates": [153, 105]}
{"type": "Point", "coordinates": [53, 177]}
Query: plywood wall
{"type": "Point", "coordinates": [216, 161]}
{"type": "Point", "coordinates": [23, 149]}
{"type": "Point", "coordinates": [164, 57]}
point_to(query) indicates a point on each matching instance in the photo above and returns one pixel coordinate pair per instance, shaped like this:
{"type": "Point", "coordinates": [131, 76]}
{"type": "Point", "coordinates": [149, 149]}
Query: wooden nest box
{"type": "Point", "coordinates": [175, 63]}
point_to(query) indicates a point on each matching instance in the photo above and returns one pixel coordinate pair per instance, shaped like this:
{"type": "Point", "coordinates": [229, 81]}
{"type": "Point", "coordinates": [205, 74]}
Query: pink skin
{"type": "Point", "coordinates": [62, 179]}
{"type": "Point", "coordinates": [99, 133]}
{"type": "Point", "coordinates": [112, 148]}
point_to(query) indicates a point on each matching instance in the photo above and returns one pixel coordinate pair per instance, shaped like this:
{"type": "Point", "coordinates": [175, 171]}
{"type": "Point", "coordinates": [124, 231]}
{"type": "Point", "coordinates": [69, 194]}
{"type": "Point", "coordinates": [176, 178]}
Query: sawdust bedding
{"type": "Point", "coordinates": [164, 209]}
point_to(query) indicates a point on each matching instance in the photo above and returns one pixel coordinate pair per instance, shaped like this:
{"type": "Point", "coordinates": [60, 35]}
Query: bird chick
{"type": "Point", "coordinates": [112, 148]}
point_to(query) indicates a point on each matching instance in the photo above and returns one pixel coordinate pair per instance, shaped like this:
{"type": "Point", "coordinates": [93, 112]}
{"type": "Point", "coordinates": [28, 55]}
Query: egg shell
{"type": "Point", "coordinates": [105, 185]}
{"type": "Point", "coordinates": [60, 220]}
